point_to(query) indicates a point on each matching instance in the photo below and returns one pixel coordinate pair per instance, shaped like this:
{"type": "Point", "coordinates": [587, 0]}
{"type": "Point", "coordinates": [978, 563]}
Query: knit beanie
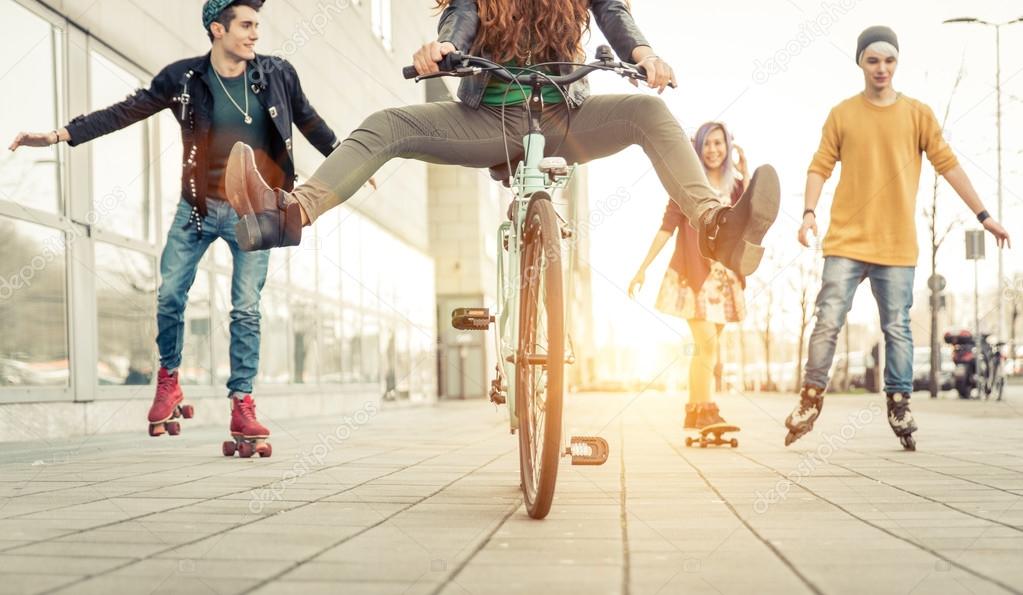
{"type": "Point", "coordinates": [874, 34]}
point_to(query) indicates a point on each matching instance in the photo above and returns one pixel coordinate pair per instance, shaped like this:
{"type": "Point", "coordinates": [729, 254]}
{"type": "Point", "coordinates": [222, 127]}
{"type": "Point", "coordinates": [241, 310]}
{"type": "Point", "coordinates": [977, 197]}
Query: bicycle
{"type": "Point", "coordinates": [530, 313]}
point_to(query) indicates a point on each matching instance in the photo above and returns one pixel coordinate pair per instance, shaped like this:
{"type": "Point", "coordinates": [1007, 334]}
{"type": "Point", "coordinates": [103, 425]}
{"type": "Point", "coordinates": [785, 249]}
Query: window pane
{"type": "Point", "coordinates": [303, 326]}
{"type": "Point", "coordinates": [170, 169]}
{"type": "Point", "coordinates": [370, 343]}
{"type": "Point", "coordinates": [329, 245]}
{"type": "Point", "coordinates": [28, 176]}
{"type": "Point", "coordinates": [333, 339]}
{"type": "Point", "coordinates": [33, 305]}
{"type": "Point", "coordinates": [119, 172]}
{"type": "Point", "coordinates": [196, 367]}
{"type": "Point", "coordinates": [277, 270]}
{"type": "Point", "coordinates": [351, 353]}
{"type": "Point", "coordinates": [126, 307]}
{"type": "Point", "coordinates": [273, 328]}
{"type": "Point", "coordinates": [221, 329]}
{"type": "Point", "coordinates": [303, 263]}
{"type": "Point", "coordinates": [350, 232]}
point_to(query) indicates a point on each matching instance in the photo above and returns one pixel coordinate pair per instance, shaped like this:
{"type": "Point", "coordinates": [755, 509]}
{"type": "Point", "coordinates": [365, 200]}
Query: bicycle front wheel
{"type": "Point", "coordinates": [540, 358]}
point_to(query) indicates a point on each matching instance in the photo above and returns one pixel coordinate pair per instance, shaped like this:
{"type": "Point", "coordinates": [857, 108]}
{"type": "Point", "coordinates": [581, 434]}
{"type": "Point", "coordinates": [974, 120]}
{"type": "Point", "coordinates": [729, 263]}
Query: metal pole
{"type": "Point", "coordinates": [976, 301]}
{"type": "Point", "coordinates": [998, 120]}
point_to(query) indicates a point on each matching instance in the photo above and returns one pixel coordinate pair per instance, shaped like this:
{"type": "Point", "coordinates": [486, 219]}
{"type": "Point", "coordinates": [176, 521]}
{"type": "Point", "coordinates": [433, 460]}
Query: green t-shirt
{"type": "Point", "coordinates": [228, 127]}
{"type": "Point", "coordinates": [494, 94]}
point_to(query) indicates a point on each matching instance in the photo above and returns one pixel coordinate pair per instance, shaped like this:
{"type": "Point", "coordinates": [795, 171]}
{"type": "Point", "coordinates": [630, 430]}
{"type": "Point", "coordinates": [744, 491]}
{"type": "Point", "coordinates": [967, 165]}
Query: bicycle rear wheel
{"type": "Point", "coordinates": [540, 358]}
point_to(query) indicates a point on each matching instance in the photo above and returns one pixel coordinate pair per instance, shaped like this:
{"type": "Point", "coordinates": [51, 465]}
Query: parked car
{"type": "Point", "coordinates": [922, 369]}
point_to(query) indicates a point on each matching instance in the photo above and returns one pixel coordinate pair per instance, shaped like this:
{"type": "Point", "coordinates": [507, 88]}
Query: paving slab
{"type": "Point", "coordinates": [833, 513]}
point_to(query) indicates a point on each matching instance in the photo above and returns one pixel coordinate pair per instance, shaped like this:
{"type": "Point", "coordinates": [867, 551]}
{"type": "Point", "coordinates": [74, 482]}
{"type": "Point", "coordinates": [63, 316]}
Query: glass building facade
{"type": "Point", "coordinates": [81, 231]}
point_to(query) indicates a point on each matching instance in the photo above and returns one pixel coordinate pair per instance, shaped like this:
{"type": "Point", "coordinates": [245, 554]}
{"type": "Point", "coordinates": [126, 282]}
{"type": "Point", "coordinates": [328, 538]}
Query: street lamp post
{"type": "Point", "coordinates": [998, 124]}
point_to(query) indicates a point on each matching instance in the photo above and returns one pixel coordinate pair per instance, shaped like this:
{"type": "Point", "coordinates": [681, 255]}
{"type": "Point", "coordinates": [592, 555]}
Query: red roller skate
{"type": "Point", "coordinates": [249, 435]}
{"type": "Point", "coordinates": [168, 405]}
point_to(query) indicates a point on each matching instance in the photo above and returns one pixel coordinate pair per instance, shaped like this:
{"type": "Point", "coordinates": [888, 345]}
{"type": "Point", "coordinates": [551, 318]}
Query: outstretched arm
{"type": "Point", "coordinates": [135, 108]}
{"type": "Point", "coordinates": [660, 240]}
{"type": "Point", "coordinates": [306, 118]}
{"type": "Point", "coordinates": [960, 182]}
{"type": "Point", "coordinates": [39, 139]}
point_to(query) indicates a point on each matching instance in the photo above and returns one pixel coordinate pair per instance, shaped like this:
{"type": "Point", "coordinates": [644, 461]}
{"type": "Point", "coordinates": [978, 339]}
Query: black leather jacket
{"type": "Point", "coordinates": [184, 87]}
{"type": "Point", "coordinates": [460, 21]}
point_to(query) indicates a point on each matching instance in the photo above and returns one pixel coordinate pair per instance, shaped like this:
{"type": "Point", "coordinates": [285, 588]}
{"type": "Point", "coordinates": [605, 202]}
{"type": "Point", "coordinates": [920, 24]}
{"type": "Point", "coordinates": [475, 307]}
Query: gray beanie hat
{"type": "Point", "coordinates": [874, 34]}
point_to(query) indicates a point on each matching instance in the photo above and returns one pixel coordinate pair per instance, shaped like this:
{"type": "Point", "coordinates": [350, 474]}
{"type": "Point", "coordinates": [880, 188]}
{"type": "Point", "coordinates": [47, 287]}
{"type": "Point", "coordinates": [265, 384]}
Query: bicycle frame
{"type": "Point", "coordinates": [528, 181]}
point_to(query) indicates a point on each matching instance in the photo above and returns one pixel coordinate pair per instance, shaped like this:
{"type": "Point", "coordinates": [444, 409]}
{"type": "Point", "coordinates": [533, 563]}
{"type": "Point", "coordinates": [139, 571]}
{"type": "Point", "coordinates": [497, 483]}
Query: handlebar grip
{"type": "Point", "coordinates": [448, 64]}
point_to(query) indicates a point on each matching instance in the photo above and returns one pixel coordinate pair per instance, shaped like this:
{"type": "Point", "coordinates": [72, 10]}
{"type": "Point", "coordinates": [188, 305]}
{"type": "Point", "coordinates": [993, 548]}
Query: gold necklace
{"type": "Point", "coordinates": [245, 91]}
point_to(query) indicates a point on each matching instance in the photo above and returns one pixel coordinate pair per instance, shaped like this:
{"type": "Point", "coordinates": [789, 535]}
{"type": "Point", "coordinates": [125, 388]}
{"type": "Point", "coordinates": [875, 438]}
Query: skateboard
{"type": "Point", "coordinates": [246, 447]}
{"type": "Point", "coordinates": [716, 430]}
{"type": "Point", "coordinates": [169, 426]}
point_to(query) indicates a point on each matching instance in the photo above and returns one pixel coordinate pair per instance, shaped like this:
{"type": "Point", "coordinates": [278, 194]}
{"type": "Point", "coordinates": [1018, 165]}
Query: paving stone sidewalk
{"type": "Point", "coordinates": [426, 500]}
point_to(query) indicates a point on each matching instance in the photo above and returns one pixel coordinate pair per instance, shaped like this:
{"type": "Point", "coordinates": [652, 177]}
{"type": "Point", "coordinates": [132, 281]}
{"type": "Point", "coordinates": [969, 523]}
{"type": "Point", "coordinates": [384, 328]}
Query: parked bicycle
{"type": "Point", "coordinates": [980, 366]}
{"type": "Point", "coordinates": [533, 345]}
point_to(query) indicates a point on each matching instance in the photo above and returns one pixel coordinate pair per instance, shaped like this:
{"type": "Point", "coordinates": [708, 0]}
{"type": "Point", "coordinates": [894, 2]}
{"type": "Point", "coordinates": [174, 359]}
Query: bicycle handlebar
{"type": "Point", "coordinates": [457, 64]}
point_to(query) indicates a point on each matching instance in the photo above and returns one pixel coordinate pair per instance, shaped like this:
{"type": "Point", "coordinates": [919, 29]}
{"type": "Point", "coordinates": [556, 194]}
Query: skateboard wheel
{"type": "Point", "coordinates": [265, 450]}
{"type": "Point", "coordinates": [187, 411]}
{"type": "Point", "coordinates": [689, 440]}
{"type": "Point", "coordinates": [245, 450]}
{"type": "Point", "coordinates": [734, 443]}
{"type": "Point", "coordinates": [703, 443]}
{"type": "Point", "coordinates": [173, 428]}
{"type": "Point", "coordinates": [228, 448]}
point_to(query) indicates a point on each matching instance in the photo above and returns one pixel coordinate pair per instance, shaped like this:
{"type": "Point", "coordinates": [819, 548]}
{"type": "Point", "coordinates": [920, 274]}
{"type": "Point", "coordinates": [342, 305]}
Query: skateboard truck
{"type": "Point", "coordinates": [471, 319]}
{"type": "Point", "coordinates": [706, 439]}
{"type": "Point", "coordinates": [588, 450]}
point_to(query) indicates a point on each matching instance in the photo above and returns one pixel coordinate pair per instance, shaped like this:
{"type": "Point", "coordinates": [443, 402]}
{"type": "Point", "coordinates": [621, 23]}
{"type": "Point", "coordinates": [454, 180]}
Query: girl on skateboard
{"type": "Point", "coordinates": [703, 292]}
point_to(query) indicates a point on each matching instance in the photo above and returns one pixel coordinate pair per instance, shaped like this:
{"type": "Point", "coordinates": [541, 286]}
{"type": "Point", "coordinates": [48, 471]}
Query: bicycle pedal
{"type": "Point", "coordinates": [471, 319]}
{"type": "Point", "coordinates": [588, 450]}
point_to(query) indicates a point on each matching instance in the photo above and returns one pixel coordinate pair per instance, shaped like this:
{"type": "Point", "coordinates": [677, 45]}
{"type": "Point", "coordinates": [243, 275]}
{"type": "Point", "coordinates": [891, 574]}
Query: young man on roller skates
{"type": "Point", "coordinates": [225, 96]}
{"type": "Point", "coordinates": [879, 136]}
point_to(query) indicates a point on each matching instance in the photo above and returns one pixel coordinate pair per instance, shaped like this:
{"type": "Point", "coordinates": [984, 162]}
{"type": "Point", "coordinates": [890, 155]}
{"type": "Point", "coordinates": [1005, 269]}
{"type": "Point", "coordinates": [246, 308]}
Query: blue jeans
{"type": "Point", "coordinates": [893, 290]}
{"type": "Point", "coordinates": [178, 264]}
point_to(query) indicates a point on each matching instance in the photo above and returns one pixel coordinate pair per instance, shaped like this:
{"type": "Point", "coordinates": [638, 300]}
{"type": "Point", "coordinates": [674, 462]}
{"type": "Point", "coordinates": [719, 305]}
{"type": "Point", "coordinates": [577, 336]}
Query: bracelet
{"type": "Point", "coordinates": [56, 135]}
{"type": "Point", "coordinates": [811, 211]}
{"type": "Point", "coordinates": [983, 216]}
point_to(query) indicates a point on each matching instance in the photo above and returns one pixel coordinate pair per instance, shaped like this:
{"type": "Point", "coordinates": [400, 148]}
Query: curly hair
{"type": "Point", "coordinates": [510, 30]}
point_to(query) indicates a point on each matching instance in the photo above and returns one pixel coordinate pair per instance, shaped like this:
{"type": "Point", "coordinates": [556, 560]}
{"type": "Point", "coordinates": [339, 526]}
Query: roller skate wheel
{"type": "Point", "coordinates": [173, 428]}
{"type": "Point", "coordinates": [156, 429]}
{"type": "Point", "coordinates": [187, 411]}
{"type": "Point", "coordinates": [689, 440]}
{"type": "Point", "coordinates": [703, 443]}
{"type": "Point", "coordinates": [734, 443]}
{"type": "Point", "coordinates": [264, 450]}
{"type": "Point", "coordinates": [228, 448]}
{"type": "Point", "coordinates": [246, 450]}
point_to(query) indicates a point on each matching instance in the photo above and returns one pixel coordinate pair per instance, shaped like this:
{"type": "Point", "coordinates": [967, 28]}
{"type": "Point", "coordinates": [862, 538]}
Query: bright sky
{"type": "Point", "coordinates": [715, 47]}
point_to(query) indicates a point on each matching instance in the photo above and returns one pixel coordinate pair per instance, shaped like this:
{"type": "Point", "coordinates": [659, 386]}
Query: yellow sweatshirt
{"type": "Point", "coordinates": [873, 216]}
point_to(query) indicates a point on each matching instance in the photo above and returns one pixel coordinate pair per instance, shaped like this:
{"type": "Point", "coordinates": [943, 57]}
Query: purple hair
{"type": "Point", "coordinates": [727, 168]}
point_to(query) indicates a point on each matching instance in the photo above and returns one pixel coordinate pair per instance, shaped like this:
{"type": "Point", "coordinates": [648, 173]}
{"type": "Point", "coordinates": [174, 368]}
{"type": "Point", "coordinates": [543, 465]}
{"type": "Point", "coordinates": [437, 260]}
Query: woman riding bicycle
{"type": "Point", "coordinates": [703, 292]}
{"type": "Point", "coordinates": [478, 131]}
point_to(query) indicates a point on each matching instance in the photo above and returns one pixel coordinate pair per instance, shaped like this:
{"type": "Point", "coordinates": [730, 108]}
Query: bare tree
{"type": "Point", "coordinates": [937, 239]}
{"type": "Point", "coordinates": [762, 305]}
{"type": "Point", "coordinates": [804, 286]}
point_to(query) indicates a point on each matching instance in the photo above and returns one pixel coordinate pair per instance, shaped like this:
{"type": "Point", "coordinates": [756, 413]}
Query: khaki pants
{"type": "Point", "coordinates": [452, 134]}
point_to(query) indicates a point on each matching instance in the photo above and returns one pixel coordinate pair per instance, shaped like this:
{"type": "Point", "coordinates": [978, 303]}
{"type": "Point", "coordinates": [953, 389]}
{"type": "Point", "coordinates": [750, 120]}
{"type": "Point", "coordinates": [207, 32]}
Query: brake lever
{"type": "Point", "coordinates": [460, 72]}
